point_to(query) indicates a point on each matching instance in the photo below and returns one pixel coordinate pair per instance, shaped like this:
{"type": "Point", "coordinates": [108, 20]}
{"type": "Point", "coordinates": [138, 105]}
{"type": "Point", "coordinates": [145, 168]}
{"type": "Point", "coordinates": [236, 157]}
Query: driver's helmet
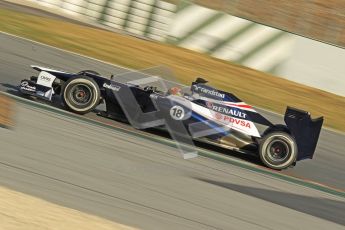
{"type": "Point", "coordinates": [175, 91]}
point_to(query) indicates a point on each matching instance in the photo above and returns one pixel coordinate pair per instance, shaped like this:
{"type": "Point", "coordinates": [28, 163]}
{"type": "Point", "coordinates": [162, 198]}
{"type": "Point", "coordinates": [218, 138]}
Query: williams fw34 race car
{"type": "Point", "coordinates": [196, 112]}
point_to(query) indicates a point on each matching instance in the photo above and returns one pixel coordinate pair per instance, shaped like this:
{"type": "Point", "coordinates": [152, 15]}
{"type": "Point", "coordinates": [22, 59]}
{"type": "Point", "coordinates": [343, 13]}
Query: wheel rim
{"type": "Point", "coordinates": [278, 150]}
{"type": "Point", "coordinates": [81, 94]}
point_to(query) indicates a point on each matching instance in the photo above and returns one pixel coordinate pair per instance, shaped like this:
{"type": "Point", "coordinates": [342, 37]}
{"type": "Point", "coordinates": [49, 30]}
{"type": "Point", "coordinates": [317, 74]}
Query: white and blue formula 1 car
{"type": "Point", "coordinates": [204, 113]}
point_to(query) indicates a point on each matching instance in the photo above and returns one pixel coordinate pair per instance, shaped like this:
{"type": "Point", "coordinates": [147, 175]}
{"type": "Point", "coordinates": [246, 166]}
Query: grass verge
{"type": "Point", "coordinates": [21, 211]}
{"type": "Point", "coordinates": [6, 111]}
{"type": "Point", "coordinates": [254, 87]}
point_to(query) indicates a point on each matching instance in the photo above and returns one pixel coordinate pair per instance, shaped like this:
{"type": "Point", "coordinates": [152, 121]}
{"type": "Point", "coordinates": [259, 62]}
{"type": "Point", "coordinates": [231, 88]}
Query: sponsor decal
{"type": "Point", "coordinates": [112, 87]}
{"type": "Point", "coordinates": [45, 78]}
{"type": "Point", "coordinates": [24, 85]}
{"type": "Point", "coordinates": [226, 110]}
{"type": "Point", "coordinates": [212, 92]}
{"type": "Point", "coordinates": [232, 120]}
{"type": "Point", "coordinates": [229, 111]}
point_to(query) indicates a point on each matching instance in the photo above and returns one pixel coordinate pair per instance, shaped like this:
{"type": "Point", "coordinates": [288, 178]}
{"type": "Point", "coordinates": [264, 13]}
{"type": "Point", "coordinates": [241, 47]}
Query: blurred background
{"type": "Point", "coordinates": [301, 41]}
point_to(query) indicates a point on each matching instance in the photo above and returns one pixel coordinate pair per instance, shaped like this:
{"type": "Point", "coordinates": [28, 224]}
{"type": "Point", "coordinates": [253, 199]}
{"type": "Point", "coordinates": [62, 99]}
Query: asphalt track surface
{"type": "Point", "coordinates": [147, 184]}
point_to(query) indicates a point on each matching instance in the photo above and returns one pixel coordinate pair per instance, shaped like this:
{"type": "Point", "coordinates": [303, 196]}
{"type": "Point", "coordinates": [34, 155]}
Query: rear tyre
{"type": "Point", "coordinates": [80, 94]}
{"type": "Point", "coordinates": [278, 150]}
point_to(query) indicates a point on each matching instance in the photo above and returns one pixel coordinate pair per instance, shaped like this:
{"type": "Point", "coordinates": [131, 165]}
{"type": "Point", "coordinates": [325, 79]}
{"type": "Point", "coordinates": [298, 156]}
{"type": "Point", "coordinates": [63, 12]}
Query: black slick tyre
{"type": "Point", "coordinates": [278, 150]}
{"type": "Point", "coordinates": [80, 94]}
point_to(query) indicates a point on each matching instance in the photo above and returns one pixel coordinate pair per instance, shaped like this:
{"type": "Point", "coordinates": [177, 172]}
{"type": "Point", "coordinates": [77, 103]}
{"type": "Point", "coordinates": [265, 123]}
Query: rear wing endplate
{"type": "Point", "coordinates": [304, 129]}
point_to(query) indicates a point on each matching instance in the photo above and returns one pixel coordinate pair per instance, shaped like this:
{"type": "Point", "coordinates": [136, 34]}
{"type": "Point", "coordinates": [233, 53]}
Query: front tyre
{"type": "Point", "coordinates": [278, 150]}
{"type": "Point", "coordinates": [80, 94]}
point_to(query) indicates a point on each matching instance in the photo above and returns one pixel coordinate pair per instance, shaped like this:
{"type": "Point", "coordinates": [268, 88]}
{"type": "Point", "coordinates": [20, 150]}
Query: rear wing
{"type": "Point", "coordinates": [304, 129]}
